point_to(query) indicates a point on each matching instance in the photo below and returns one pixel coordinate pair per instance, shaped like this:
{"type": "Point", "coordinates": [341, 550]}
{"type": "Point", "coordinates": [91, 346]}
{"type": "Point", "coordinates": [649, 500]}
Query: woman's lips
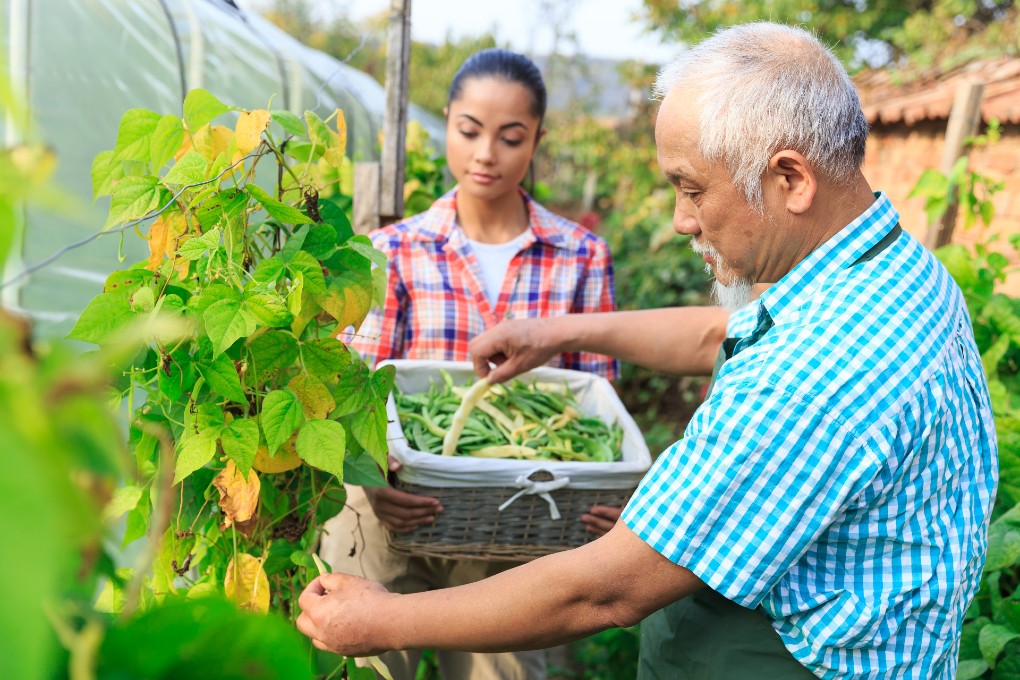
{"type": "Point", "coordinates": [481, 178]}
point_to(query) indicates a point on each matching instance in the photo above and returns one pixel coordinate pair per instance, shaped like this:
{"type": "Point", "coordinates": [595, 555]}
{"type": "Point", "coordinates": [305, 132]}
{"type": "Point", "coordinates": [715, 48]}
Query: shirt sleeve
{"type": "Point", "coordinates": [760, 474]}
{"type": "Point", "coordinates": [382, 333]}
{"type": "Point", "coordinates": [596, 293]}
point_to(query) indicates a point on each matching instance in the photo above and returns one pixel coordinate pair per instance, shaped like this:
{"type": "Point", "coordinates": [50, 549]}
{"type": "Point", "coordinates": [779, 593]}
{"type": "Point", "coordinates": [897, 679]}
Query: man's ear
{"type": "Point", "coordinates": [793, 179]}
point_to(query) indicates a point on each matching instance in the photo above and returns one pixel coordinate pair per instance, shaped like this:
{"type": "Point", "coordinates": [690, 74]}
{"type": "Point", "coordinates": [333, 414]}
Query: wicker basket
{"type": "Point", "coordinates": [511, 510]}
{"type": "Point", "coordinates": [472, 527]}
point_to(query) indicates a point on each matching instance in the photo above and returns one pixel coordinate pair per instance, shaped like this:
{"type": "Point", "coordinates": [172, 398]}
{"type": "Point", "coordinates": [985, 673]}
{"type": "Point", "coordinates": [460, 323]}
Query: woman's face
{"type": "Point", "coordinates": [491, 136]}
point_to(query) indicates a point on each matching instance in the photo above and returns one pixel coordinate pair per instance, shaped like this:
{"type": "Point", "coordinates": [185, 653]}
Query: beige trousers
{"type": "Point", "coordinates": [354, 542]}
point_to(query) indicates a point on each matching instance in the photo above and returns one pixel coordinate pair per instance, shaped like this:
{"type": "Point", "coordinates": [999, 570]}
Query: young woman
{"type": "Point", "coordinates": [483, 252]}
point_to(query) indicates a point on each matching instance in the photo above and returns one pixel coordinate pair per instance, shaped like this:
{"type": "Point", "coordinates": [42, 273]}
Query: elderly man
{"type": "Point", "coordinates": [830, 499]}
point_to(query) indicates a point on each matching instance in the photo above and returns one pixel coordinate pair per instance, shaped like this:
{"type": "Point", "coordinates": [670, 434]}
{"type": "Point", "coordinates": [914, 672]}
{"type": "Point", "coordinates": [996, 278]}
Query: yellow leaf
{"type": "Point", "coordinates": [341, 131]}
{"type": "Point", "coordinates": [238, 496]}
{"type": "Point", "coordinates": [285, 459]}
{"type": "Point", "coordinates": [349, 304]}
{"type": "Point", "coordinates": [213, 141]}
{"type": "Point", "coordinates": [162, 236]}
{"type": "Point", "coordinates": [249, 129]}
{"type": "Point", "coordinates": [416, 137]}
{"type": "Point", "coordinates": [246, 583]}
{"type": "Point", "coordinates": [313, 395]}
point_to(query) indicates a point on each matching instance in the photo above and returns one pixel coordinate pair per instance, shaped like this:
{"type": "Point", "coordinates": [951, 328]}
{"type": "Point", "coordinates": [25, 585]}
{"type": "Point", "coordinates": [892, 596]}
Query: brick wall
{"type": "Point", "coordinates": [898, 154]}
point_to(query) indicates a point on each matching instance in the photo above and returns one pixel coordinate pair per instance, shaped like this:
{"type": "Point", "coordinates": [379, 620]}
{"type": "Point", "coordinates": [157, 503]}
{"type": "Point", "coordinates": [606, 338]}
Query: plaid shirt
{"type": "Point", "coordinates": [436, 302]}
{"type": "Point", "coordinates": [841, 474]}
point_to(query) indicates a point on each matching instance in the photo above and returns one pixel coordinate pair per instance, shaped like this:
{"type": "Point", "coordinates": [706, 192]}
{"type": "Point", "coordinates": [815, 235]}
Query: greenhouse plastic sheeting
{"type": "Point", "coordinates": [88, 61]}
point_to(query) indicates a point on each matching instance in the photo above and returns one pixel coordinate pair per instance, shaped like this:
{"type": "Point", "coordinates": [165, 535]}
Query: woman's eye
{"type": "Point", "coordinates": [470, 134]}
{"type": "Point", "coordinates": [512, 142]}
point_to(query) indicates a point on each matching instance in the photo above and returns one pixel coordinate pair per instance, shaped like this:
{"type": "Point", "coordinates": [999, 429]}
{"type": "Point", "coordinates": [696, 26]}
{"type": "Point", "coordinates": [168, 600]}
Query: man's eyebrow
{"type": "Point", "coordinates": [675, 177]}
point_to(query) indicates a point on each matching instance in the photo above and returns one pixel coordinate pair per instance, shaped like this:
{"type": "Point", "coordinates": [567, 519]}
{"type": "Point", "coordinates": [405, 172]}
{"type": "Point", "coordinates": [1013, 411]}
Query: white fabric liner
{"type": "Point", "coordinates": [594, 394]}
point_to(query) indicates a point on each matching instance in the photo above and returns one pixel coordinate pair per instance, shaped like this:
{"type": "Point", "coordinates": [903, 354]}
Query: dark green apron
{"type": "Point", "coordinates": [706, 636]}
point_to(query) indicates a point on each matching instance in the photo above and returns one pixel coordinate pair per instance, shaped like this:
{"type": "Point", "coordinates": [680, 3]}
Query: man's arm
{"type": "Point", "coordinates": [677, 340]}
{"type": "Point", "coordinates": [616, 580]}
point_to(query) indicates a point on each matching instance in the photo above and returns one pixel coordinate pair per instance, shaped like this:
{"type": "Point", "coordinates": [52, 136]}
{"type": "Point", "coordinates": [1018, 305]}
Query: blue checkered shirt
{"type": "Point", "coordinates": [841, 474]}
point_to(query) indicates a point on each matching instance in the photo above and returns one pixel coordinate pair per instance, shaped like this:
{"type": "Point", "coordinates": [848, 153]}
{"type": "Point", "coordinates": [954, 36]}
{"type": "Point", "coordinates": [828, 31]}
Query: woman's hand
{"type": "Point", "coordinates": [399, 511]}
{"type": "Point", "coordinates": [601, 518]}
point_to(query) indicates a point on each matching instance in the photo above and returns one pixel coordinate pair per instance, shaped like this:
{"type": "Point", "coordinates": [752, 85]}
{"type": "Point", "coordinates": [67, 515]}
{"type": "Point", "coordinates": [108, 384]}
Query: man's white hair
{"type": "Point", "coordinates": [765, 87]}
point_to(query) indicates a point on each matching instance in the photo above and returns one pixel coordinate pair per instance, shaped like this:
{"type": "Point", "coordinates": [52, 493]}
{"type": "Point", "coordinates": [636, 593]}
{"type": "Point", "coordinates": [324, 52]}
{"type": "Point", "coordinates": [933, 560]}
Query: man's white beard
{"type": "Point", "coordinates": [734, 296]}
{"type": "Point", "coordinates": [730, 297]}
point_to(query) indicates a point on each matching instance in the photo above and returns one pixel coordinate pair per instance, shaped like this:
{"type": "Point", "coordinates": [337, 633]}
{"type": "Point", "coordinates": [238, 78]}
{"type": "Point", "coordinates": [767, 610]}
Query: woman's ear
{"type": "Point", "coordinates": [538, 138]}
{"type": "Point", "coordinates": [794, 180]}
{"type": "Point", "coordinates": [446, 112]}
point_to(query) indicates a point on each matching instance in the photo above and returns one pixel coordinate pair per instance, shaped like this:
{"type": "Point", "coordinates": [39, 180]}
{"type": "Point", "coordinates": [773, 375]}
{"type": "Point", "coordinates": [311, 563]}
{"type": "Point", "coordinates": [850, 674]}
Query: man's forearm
{"type": "Point", "coordinates": [614, 581]}
{"type": "Point", "coordinates": [677, 340]}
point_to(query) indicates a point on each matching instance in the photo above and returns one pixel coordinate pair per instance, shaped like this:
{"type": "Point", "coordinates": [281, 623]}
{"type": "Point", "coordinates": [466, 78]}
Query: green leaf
{"type": "Point", "coordinates": [225, 323]}
{"type": "Point", "coordinates": [270, 352]}
{"type": "Point", "coordinates": [199, 246]}
{"type": "Point", "coordinates": [104, 173]}
{"type": "Point", "coordinates": [240, 441]}
{"type": "Point", "coordinates": [268, 310]}
{"type": "Point", "coordinates": [1008, 669]}
{"type": "Point", "coordinates": [221, 377]}
{"type": "Point", "coordinates": [931, 183]}
{"type": "Point", "coordinates": [212, 294]}
{"type": "Point", "coordinates": [958, 261]}
{"type": "Point", "coordinates": [289, 122]}
{"type": "Point", "coordinates": [166, 140]}
{"type": "Point", "coordinates": [103, 319]}
{"type": "Point", "coordinates": [320, 241]}
{"type": "Point", "coordinates": [992, 639]}
{"type": "Point", "coordinates": [293, 244]}
{"type": "Point", "coordinates": [379, 287]}
{"type": "Point", "coordinates": [970, 669]}
{"type": "Point", "coordinates": [134, 136]}
{"type": "Point", "coordinates": [326, 358]}
{"type": "Point", "coordinates": [352, 391]}
{"type": "Point", "coordinates": [311, 270]}
{"type": "Point", "coordinates": [281, 211]}
{"type": "Point", "coordinates": [363, 470]}
{"type": "Point", "coordinates": [124, 499]}
{"type": "Point", "coordinates": [176, 375]}
{"type": "Point", "coordinates": [132, 198]}
{"type": "Point", "coordinates": [268, 270]}
{"type": "Point", "coordinates": [142, 300]}
{"type": "Point", "coordinates": [321, 444]}
{"type": "Point", "coordinates": [333, 215]}
{"type": "Point", "coordinates": [281, 415]}
{"type": "Point", "coordinates": [200, 108]}
{"type": "Point", "coordinates": [190, 169]}
{"type": "Point", "coordinates": [127, 282]}
{"type": "Point", "coordinates": [363, 245]}
{"type": "Point", "coordinates": [318, 132]}
{"type": "Point", "coordinates": [194, 452]}
{"type": "Point", "coordinates": [304, 151]}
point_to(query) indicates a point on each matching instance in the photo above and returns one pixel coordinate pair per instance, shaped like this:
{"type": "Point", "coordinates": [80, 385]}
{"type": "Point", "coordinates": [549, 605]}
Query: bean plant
{"type": "Point", "coordinates": [246, 421]}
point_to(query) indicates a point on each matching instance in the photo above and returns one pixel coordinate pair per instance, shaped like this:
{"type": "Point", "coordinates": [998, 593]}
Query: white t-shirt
{"type": "Point", "coordinates": [494, 259]}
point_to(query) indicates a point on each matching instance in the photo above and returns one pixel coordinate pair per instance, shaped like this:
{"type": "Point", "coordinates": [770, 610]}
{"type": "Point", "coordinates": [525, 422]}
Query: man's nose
{"type": "Point", "coordinates": [684, 222]}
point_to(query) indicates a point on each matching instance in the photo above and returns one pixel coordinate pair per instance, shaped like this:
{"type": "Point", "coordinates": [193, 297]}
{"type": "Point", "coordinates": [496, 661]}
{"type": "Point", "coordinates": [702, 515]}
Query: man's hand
{"type": "Point", "coordinates": [514, 346]}
{"type": "Point", "coordinates": [334, 612]}
{"type": "Point", "coordinates": [600, 519]}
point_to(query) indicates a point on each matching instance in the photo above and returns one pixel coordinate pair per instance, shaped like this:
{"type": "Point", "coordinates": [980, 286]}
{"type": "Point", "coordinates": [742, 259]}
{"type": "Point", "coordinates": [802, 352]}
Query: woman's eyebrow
{"type": "Point", "coordinates": [501, 127]}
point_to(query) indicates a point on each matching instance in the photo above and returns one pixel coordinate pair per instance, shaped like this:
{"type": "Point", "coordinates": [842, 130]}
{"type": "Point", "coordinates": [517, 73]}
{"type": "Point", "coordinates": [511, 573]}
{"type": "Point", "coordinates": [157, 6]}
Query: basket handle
{"type": "Point", "coordinates": [541, 485]}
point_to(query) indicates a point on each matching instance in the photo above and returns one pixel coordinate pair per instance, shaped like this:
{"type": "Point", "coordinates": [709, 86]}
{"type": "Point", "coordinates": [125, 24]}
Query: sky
{"type": "Point", "coordinates": [603, 28]}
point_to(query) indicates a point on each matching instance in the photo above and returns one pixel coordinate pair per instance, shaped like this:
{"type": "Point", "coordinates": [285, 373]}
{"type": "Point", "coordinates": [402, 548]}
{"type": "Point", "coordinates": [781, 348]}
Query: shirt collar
{"type": "Point", "coordinates": [844, 248]}
{"type": "Point", "coordinates": [542, 222]}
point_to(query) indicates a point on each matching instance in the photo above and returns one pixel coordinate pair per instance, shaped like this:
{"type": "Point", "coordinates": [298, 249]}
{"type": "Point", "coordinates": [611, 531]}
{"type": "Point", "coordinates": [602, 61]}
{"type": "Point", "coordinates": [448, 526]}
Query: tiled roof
{"type": "Point", "coordinates": [931, 98]}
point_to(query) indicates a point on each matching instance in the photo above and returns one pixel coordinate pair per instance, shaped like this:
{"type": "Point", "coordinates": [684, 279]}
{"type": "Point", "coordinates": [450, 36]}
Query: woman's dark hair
{"type": "Point", "coordinates": [505, 65]}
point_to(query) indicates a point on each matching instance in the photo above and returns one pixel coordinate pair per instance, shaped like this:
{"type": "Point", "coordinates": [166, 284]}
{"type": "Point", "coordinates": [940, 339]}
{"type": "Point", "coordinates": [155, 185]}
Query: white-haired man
{"type": "Point", "coordinates": [830, 499]}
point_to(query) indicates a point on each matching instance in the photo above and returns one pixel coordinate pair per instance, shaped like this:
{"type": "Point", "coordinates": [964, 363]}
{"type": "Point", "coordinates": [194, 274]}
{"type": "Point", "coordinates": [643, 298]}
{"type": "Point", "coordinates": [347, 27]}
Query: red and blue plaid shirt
{"type": "Point", "coordinates": [436, 302]}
